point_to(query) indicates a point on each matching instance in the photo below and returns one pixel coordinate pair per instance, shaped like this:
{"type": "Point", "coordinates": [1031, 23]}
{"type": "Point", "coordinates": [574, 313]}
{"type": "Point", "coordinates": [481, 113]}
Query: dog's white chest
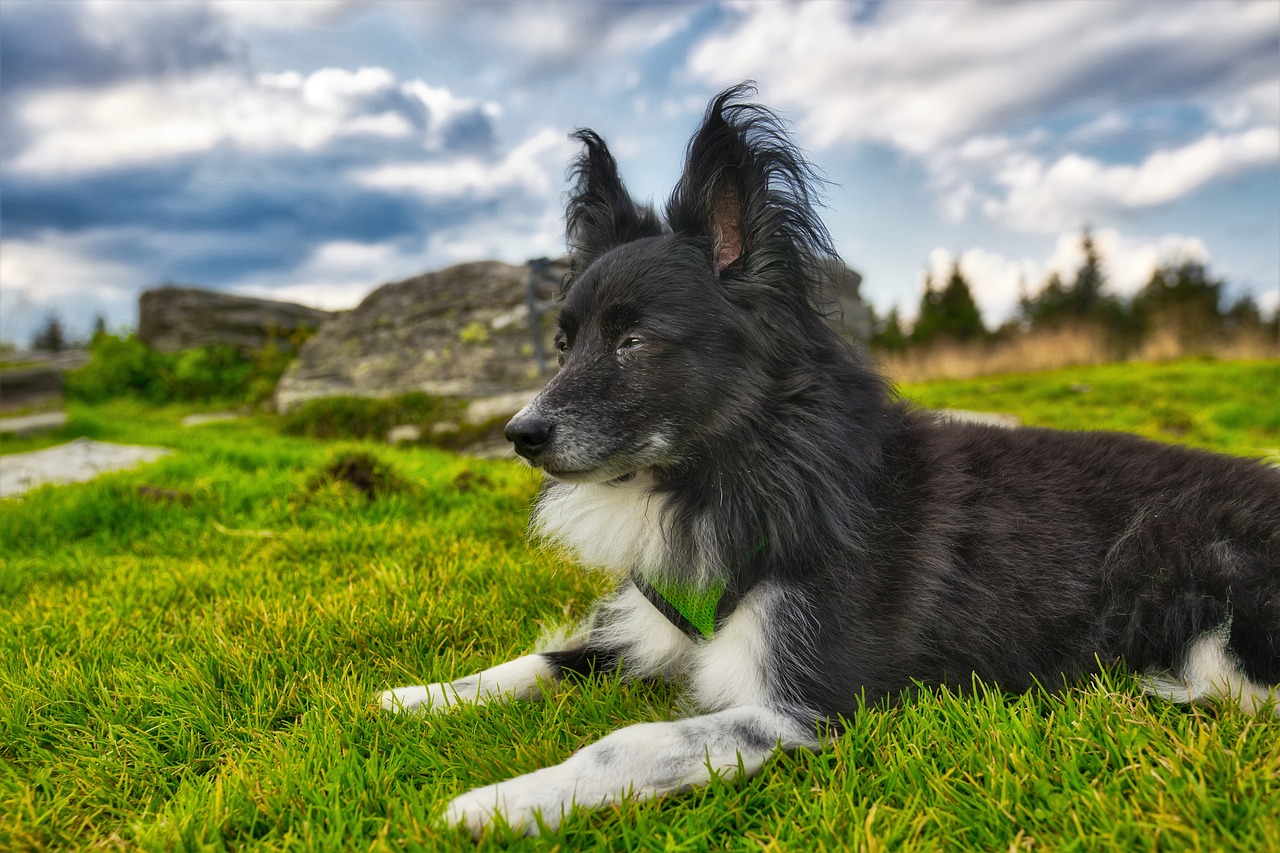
{"type": "Point", "coordinates": [731, 669]}
{"type": "Point", "coordinates": [615, 527]}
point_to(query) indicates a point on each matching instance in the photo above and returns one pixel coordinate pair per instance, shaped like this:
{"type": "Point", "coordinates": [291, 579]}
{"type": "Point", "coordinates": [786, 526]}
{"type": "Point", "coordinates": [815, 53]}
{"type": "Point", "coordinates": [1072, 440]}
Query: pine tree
{"type": "Point", "coordinates": [1184, 298]}
{"type": "Point", "coordinates": [924, 329]}
{"type": "Point", "coordinates": [51, 337]}
{"type": "Point", "coordinates": [948, 313]}
{"type": "Point", "coordinates": [1083, 299]}
{"type": "Point", "coordinates": [1046, 307]}
{"type": "Point", "coordinates": [962, 319]}
{"type": "Point", "coordinates": [1085, 294]}
{"type": "Point", "coordinates": [889, 334]}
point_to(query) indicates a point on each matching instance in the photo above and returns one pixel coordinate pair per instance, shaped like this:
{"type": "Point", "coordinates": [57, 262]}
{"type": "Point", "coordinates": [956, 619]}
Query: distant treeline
{"type": "Point", "coordinates": [1182, 300]}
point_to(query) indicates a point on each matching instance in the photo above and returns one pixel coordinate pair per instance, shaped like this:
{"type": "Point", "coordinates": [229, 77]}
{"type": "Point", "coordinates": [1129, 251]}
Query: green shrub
{"type": "Point", "coordinates": [367, 417]}
{"type": "Point", "coordinates": [127, 367]}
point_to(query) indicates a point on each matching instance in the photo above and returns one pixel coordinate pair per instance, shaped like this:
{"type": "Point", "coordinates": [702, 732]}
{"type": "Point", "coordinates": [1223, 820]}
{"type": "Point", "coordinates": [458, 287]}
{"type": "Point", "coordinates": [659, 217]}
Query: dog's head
{"type": "Point", "coordinates": [671, 334]}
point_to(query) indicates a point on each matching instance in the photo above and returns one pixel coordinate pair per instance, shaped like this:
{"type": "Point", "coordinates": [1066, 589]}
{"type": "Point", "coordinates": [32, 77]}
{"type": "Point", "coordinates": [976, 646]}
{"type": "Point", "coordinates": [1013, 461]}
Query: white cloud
{"type": "Point", "coordinates": [1127, 261]}
{"type": "Point", "coordinates": [55, 266]}
{"type": "Point", "coordinates": [278, 14]}
{"type": "Point", "coordinates": [1103, 126]}
{"type": "Point", "coordinates": [923, 75]}
{"type": "Point", "coordinates": [533, 166]}
{"type": "Point", "coordinates": [1040, 197]}
{"type": "Point", "coordinates": [995, 281]}
{"type": "Point", "coordinates": [546, 38]}
{"type": "Point", "coordinates": [1256, 105]}
{"type": "Point", "coordinates": [996, 99]}
{"type": "Point", "coordinates": [1269, 302]}
{"type": "Point", "coordinates": [139, 121]}
{"type": "Point", "coordinates": [62, 274]}
{"type": "Point", "coordinates": [339, 274]}
{"type": "Point", "coordinates": [514, 240]}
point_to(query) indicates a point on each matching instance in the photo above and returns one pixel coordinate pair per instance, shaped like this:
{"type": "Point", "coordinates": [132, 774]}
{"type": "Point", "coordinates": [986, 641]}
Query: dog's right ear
{"type": "Point", "coordinates": [601, 213]}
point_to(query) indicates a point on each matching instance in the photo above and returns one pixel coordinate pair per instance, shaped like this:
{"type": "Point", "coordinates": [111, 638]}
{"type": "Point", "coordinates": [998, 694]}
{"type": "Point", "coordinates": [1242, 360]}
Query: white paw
{"type": "Point", "coordinates": [520, 802]}
{"type": "Point", "coordinates": [418, 699]}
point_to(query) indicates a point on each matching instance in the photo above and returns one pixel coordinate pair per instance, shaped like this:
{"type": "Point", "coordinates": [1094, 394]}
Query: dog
{"type": "Point", "coordinates": [792, 542]}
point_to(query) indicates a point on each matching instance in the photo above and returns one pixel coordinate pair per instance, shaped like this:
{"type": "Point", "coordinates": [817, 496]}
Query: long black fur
{"type": "Point", "coordinates": [912, 550]}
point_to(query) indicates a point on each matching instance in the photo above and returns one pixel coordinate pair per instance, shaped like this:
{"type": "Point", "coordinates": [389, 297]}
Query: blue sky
{"type": "Point", "coordinates": [312, 150]}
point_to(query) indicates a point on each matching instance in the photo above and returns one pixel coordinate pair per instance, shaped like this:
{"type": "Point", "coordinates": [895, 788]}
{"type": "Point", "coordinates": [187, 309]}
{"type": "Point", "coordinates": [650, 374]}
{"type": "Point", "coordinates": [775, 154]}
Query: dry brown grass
{"type": "Point", "coordinates": [1064, 347]}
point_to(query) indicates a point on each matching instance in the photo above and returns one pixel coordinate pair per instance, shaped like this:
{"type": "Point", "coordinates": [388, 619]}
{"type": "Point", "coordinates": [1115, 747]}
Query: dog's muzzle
{"type": "Point", "coordinates": [530, 433]}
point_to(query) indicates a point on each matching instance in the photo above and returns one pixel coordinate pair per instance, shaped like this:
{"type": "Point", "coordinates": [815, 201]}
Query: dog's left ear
{"type": "Point", "coordinates": [601, 213]}
{"type": "Point", "coordinates": [748, 192]}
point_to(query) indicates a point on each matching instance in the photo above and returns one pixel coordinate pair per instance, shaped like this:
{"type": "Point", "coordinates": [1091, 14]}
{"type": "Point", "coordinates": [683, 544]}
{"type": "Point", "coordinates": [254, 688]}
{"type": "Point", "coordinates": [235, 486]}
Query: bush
{"type": "Point", "coordinates": [367, 417]}
{"type": "Point", "coordinates": [127, 367]}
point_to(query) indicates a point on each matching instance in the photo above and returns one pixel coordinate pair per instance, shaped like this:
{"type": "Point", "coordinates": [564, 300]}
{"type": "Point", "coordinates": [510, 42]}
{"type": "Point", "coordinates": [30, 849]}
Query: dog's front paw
{"type": "Point", "coordinates": [418, 699]}
{"type": "Point", "coordinates": [520, 802]}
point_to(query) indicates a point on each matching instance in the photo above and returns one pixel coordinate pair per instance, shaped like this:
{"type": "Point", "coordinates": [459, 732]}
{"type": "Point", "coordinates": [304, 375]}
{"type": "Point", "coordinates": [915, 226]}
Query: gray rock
{"type": "Point", "coordinates": [465, 332]}
{"type": "Point", "coordinates": [74, 462]}
{"type": "Point", "coordinates": [30, 387]}
{"type": "Point", "coordinates": [404, 433]}
{"type": "Point", "coordinates": [202, 418]}
{"type": "Point", "coordinates": [171, 319]}
{"type": "Point", "coordinates": [997, 419]}
{"type": "Point", "coordinates": [37, 382]}
{"type": "Point", "coordinates": [847, 312]}
{"type": "Point", "coordinates": [459, 332]}
{"type": "Point", "coordinates": [31, 424]}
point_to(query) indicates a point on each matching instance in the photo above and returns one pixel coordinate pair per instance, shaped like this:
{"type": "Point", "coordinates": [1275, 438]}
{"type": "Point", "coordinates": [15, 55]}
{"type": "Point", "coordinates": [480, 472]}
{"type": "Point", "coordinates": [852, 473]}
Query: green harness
{"type": "Point", "coordinates": [698, 612]}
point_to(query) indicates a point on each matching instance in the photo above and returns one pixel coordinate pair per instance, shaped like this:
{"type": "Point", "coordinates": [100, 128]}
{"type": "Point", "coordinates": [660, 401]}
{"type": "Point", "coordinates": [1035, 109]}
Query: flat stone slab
{"type": "Point", "coordinates": [503, 405]}
{"type": "Point", "coordinates": [988, 418]}
{"type": "Point", "coordinates": [74, 462]}
{"type": "Point", "coordinates": [28, 424]}
{"type": "Point", "coordinates": [210, 418]}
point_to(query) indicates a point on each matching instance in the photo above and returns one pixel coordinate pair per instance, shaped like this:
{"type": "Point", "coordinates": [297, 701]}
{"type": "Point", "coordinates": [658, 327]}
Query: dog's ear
{"type": "Point", "coordinates": [749, 192]}
{"type": "Point", "coordinates": [601, 214]}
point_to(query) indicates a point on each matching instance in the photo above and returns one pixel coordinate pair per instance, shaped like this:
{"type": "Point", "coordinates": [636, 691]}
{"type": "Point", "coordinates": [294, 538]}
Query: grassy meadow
{"type": "Point", "coordinates": [191, 650]}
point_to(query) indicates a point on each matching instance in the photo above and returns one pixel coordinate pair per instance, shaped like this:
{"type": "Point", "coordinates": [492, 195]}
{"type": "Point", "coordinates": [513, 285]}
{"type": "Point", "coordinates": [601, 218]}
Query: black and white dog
{"type": "Point", "coordinates": [791, 541]}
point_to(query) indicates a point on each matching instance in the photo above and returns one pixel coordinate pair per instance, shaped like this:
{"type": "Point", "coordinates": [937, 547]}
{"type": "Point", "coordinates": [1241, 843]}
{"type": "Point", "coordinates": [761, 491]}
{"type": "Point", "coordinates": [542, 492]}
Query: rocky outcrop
{"type": "Point", "coordinates": [460, 332]}
{"type": "Point", "coordinates": [465, 332]}
{"type": "Point", "coordinates": [31, 387]}
{"type": "Point", "coordinates": [848, 313]}
{"type": "Point", "coordinates": [37, 383]}
{"type": "Point", "coordinates": [171, 319]}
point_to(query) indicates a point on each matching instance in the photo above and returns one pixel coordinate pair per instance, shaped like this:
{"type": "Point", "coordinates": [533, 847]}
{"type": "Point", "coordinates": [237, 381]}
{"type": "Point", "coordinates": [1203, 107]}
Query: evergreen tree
{"type": "Point", "coordinates": [923, 330]}
{"type": "Point", "coordinates": [888, 333]}
{"type": "Point", "coordinates": [949, 313]}
{"type": "Point", "coordinates": [1243, 314]}
{"type": "Point", "coordinates": [1184, 298]}
{"type": "Point", "coordinates": [1085, 296]}
{"type": "Point", "coordinates": [963, 320]}
{"type": "Point", "coordinates": [51, 337]}
{"type": "Point", "coordinates": [1048, 306]}
{"type": "Point", "coordinates": [1083, 299]}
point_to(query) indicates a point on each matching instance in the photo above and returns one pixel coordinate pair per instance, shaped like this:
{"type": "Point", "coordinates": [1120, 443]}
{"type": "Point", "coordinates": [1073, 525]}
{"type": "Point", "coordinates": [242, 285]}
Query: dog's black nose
{"type": "Point", "coordinates": [530, 434]}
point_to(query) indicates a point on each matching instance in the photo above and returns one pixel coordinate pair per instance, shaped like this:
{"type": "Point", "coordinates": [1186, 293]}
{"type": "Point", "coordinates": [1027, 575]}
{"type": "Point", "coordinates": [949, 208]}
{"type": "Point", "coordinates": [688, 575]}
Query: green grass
{"type": "Point", "coordinates": [1232, 407]}
{"type": "Point", "coordinates": [197, 673]}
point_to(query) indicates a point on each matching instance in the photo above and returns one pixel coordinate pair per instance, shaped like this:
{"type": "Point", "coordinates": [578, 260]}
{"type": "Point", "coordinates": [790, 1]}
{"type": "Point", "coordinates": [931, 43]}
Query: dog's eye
{"type": "Point", "coordinates": [629, 342]}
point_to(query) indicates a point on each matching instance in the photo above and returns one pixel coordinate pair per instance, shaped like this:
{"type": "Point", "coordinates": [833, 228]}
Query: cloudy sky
{"type": "Point", "coordinates": [312, 150]}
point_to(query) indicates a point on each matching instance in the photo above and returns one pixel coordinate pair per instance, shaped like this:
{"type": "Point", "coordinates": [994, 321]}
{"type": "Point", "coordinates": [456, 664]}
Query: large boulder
{"type": "Point", "coordinates": [171, 319]}
{"type": "Point", "coordinates": [37, 383]}
{"type": "Point", "coordinates": [459, 332]}
{"type": "Point", "coordinates": [848, 313]}
{"type": "Point", "coordinates": [465, 332]}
